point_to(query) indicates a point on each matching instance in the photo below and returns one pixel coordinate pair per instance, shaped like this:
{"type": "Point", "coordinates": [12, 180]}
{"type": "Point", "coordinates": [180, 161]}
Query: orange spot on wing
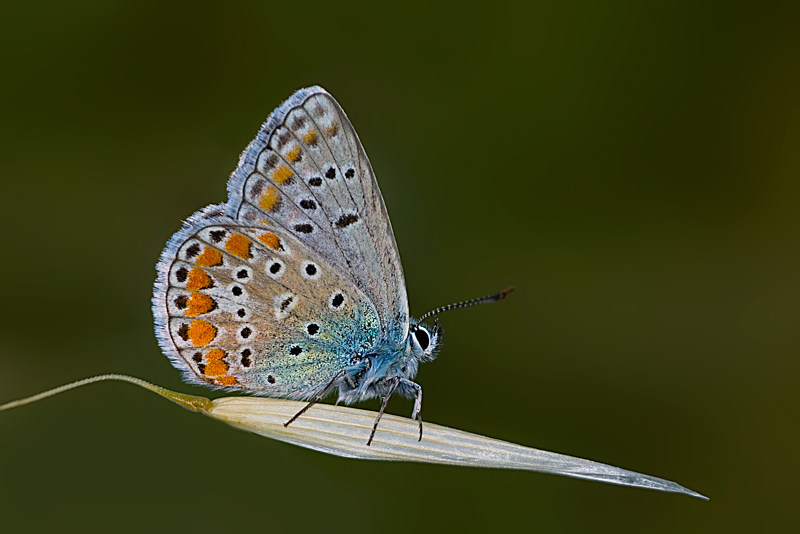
{"type": "Point", "coordinates": [209, 258]}
{"type": "Point", "coordinates": [215, 354]}
{"type": "Point", "coordinates": [332, 129]}
{"type": "Point", "coordinates": [199, 303]}
{"type": "Point", "coordinates": [271, 240]}
{"type": "Point", "coordinates": [227, 381]}
{"type": "Point", "coordinates": [282, 173]}
{"type": "Point", "coordinates": [201, 333]}
{"type": "Point", "coordinates": [198, 279]}
{"type": "Point", "coordinates": [270, 200]}
{"type": "Point", "coordinates": [238, 245]}
{"type": "Point", "coordinates": [215, 368]}
{"type": "Point", "coordinates": [293, 155]}
{"type": "Point", "coordinates": [310, 137]}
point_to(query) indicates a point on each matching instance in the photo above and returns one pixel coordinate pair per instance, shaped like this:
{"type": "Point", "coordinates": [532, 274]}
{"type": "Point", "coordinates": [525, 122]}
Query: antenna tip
{"type": "Point", "coordinates": [505, 292]}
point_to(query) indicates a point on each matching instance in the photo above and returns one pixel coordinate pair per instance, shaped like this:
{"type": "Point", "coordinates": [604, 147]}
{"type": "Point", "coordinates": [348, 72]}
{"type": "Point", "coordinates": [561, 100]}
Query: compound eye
{"type": "Point", "coordinates": [422, 337]}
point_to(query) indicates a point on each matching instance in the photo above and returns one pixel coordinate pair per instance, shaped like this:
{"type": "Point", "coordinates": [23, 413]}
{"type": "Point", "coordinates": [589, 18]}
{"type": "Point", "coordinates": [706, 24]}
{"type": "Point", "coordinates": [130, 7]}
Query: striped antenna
{"type": "Point", "coordinates": [468, 303]}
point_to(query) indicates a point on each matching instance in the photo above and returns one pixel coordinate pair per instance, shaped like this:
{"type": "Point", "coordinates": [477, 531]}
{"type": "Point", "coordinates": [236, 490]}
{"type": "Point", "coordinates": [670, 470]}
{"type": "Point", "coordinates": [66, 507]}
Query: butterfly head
{"type": "Point", "coordinates": [424, 341]}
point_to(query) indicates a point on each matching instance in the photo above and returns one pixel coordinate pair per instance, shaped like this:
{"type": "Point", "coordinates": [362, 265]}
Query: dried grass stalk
{"type": "Point", "coordinates": [343, 431]}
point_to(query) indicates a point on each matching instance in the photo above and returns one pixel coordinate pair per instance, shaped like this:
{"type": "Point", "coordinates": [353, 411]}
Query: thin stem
{"type": "Point", "coordinates": [190, 402]}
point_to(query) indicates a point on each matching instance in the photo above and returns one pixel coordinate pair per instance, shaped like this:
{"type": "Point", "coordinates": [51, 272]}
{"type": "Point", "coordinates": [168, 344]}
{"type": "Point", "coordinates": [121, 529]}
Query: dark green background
{"type": "Point", "coordinates": [632, 168]}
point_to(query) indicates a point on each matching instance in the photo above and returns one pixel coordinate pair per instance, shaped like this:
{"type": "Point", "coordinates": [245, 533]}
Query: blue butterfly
{"type": "Point", "coordinates": [294, 287]}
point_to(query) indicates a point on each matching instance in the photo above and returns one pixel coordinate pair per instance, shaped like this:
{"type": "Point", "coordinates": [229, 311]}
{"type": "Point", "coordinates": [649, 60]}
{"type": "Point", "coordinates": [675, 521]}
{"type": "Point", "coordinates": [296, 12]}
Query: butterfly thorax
{"type": "Point", "coordinates": [373, 375]}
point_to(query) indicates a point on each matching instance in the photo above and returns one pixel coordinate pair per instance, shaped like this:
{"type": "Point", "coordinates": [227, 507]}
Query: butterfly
{"type": "Point", "coordinates": [294, 287]}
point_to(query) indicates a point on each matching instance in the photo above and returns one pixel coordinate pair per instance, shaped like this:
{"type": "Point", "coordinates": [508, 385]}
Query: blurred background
{"type": "Point", "coordinates": [631, 167]}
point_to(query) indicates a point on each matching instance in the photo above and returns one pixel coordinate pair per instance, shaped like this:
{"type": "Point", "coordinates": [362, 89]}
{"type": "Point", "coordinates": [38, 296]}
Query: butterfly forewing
{"type": "Point", "coordinates": [253, 308]}
{"type": "Point", "coordinates": [307, 174]}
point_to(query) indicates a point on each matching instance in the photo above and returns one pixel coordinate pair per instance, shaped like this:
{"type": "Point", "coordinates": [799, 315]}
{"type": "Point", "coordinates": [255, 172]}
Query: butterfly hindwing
{"type": "Point", "coordinates": [251, 307]}
{"type": "Point", "coordinates": [307, 174]}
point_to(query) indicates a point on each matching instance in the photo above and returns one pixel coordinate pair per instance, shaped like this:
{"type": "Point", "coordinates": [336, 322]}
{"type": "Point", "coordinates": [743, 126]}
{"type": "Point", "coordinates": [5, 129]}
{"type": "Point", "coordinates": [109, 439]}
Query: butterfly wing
{"type": "Point", "coordinates": [307, 174]}
{"type": "Point", "coordinates": [249, 307]}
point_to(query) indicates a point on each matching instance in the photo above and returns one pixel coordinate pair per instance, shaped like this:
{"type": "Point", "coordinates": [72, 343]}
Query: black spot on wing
{"type": "Point", "coordinates": [257, 189]}
{"type": "Point", "coordinates": [183, 331]}
{"type": "Point", "coordinates": [217, 235]}
{"type": "Point", "coordinates": [271, 161]}
{"type": "Point", "coordinates": [346, 220]}
{"type": "Point", "coordinates": [298, 122]}
{"type": "Point", "coordinates": [283, 139]}
{"type": "Point", "coordinates": [193, 250]}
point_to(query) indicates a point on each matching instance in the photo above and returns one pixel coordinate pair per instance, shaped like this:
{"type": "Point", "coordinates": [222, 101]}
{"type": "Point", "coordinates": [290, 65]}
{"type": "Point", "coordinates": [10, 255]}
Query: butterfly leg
{"type": "Point", "coordinates": [386, 398]}
{"type": "Point", "coordinates": [318, 397]}
{"type": "Point", "coordinates": [417, 413]}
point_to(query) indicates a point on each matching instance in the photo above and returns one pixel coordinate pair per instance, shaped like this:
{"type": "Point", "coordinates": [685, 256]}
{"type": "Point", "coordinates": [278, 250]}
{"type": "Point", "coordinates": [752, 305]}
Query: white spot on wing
{"type": "Point", "coordinates": [284, 304]}
{"type": "Point", "coordinates": [337, 297]}
{"type": "Point", "coordinates": [310, 270]}
{"type": "Point", "coordinates": [278, 266]}
{"type": "Point", "coordinates": [243, 274]}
